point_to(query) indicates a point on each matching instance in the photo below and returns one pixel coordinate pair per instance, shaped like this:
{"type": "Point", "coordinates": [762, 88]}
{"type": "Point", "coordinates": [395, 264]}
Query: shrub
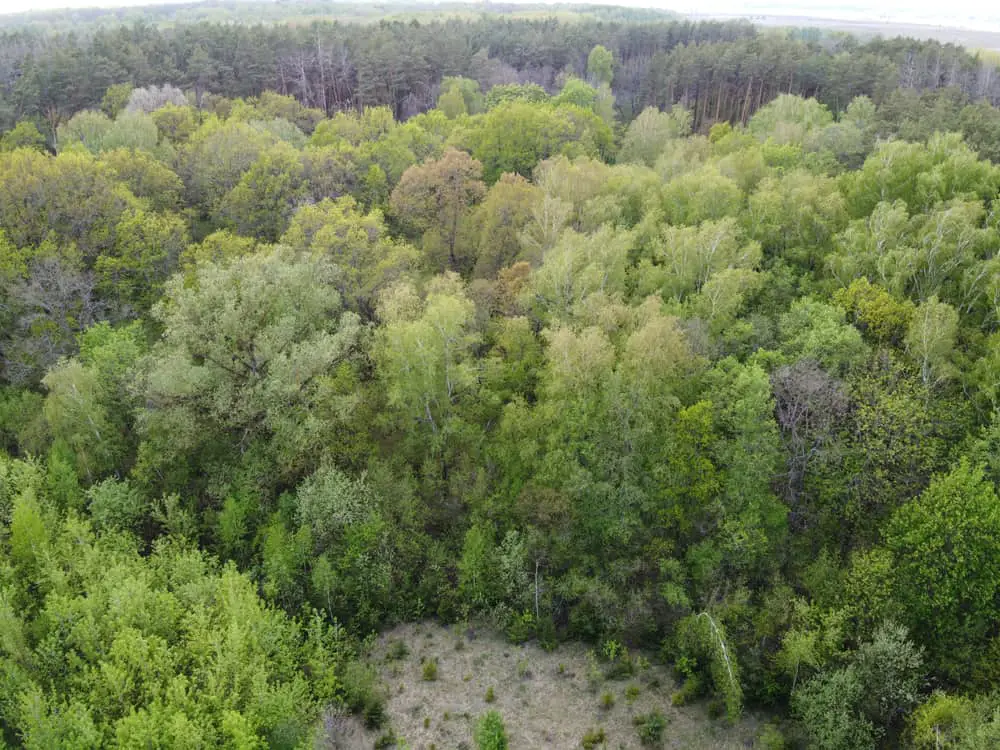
{"type": "Point", "coordinates": [594, 738]}
{"type": "Point", "coordinates": [613, 649]}
{"type": "Point", "coordinates": [631, 693]}
{"type": "Point", "coordinates": [594, 674]}
{"type": "Point", "coordinates": [363, 696]}
{"type": "Point", "coordinates": [650, 727]}
{"type": "Point", "coordinates": [704, 655]}
{"type": "Point", "coordinates": [521, 628]}
{"type": "Point", "coordinates": [621, 668]}
{"type": "Point", "coordinates": [490, 732]}
{"type": "Point", "coordinates": [430, 673]}
{"type": "Point", "coordinates": [490, 695]}
{"type": "Point", "coordinates": [608, 701]}
{"type": "Point", "coordinates": [397, 651]}
{"type": "Point", "coordinates": [524, 669]}
{"type": "Point", "coordinates": [770, 738]}
{"type": "Point", "coordinates": [692, 688]}
{"type": "Point", "coordinates": [373, 712]}
{"type": "Point", "coordinates": [545, 632]}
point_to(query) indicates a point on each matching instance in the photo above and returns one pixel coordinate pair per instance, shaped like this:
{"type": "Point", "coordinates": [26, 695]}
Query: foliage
{"type": "Point", "coordinates": [602, 331]}
{"type": "Point", "coordinates": [650, 728]}
{"type": "Point", "coordinates": [944, 546]}
{"type": "Point", "coordinates": [429, 671]}
{"type": "Point", "coordinates": [593, 739]}
{"type": "Point", "coordinates": [649, 134]}
{"type": "Point", "coordinates": [702, 640]}
{"type": "Point", "coordinates": [490, 733]}
{"type": "Point", "coordinates": [177, 649]}
{"type": "Point", "coordinates": [256, 373]}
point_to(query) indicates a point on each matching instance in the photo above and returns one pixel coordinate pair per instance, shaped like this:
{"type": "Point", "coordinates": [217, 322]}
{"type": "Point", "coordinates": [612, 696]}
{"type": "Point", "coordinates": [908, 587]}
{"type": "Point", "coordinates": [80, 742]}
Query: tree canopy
{"type": "Point", "coordinates": [656, 335]}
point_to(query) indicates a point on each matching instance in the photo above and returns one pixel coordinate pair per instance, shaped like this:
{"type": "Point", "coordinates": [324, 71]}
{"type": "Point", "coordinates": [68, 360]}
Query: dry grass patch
{"type": "Point", "coordinates": [546, 699]}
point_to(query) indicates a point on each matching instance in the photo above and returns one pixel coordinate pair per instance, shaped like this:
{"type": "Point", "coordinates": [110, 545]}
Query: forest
{"type": "Point", "coordinates": [674, 339]}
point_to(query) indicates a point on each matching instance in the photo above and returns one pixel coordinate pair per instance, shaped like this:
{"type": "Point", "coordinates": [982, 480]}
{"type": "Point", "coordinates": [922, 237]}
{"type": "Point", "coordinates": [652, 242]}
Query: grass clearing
{"type": "Point", "coordinates": [546, 699]}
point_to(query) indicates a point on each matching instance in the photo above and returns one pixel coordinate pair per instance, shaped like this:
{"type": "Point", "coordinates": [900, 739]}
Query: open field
{"type": "Point", "coordinates": [971, 38]}
{"type": "Point", "coordinates": [545, 698]}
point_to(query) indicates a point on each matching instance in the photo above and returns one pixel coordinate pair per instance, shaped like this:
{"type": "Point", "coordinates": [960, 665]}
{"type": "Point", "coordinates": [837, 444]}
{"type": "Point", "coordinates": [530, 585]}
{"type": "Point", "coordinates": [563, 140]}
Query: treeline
{"type": "Point", "coordinates": [719, 71]}
{"type": "Point", "coordinates": [298, 11]}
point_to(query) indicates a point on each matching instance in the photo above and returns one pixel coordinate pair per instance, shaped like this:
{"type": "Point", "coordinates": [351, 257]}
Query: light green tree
{"type": "Point", "coordinates": [649, 134]}
{"type": "Point", "coordinates": [789, 120]}
{"type": "Point", "coordinates": [365, 258]}
{"type": "Point", "coordinates": [424, 350]}
{"type": "Point", "coordinates": [89, 406]}
{"type": "Point", "coordinates": [245, 359]}
{"type": "Point", "coordinates": [579, 266]}
{"type": "Point", "coordinates": [264, 199]}
{"type": "Point", "coordinates": [460, 96]}
{"type": "Point", "coordinates": [684, 258]}
{"type": "Point", "coordinates": [601, 65]}
{"type": "Point", "coordinates": [23, 135]}
{"type": "Point", "coordinates": [698, 196]}
{"type": "Point", "coordinates": [147, 249]}
{"type": "Point", "coordinates": [930, 339]}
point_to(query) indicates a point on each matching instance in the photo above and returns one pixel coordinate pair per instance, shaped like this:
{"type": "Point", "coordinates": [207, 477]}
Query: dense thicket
{"type": "Point", "coordinates": [268, 374]}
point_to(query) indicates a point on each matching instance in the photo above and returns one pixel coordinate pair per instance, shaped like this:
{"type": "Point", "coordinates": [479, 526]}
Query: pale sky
{"type": "Point", "coordinates": [962, 13]}
{"type": "Point", "coordinates": [18, 6]}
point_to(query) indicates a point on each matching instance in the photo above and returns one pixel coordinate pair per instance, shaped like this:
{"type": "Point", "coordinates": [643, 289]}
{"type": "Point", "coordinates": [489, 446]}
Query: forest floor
{"type": "Point", "coordinates": [545, 698]}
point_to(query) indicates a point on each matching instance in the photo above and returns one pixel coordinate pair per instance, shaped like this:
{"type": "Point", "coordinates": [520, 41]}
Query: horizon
{"type": "Point", "coordinates": [963, 14]}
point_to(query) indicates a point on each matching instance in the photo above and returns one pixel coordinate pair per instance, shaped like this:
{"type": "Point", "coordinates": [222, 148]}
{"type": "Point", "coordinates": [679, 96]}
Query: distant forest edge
{"type": "Point", "coordinates": [287, 11]}
{"type": "Point", "coordinates": [290, 11]}
{"type": "Point", "coordinates": [720, 71]}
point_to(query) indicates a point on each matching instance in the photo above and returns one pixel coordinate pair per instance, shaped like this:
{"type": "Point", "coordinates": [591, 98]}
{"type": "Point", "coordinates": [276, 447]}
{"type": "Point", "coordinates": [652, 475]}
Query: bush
{"type": "Point", "coordinates": [770, 738]}
{"type": "Point", "coordinates": [430, 673]}
{"type": "Point", "coordinates": [524, 669]}
{"type": "Point", "coordinates": [521, 628]}
{"type": "Point", "coordinates": [363, 696]}
{"type": "Point", "coordinates": [692, 689]}
{"type": "Point", "coordinates": [594, 738]}
{"type": "Point", "coordinates": [545, 632]}
{"type": "Point", "coordinates": [594, 674]}
{"type": "Point", "coordinates": [490, 695]}
{"type": "Point", "coordinates": [490, 732]}
{"type": "Point", "coordinates": [397, 651]}
{"type": "Point", "coordinates": [608, 701]}
{"type": "Point", "coordinates": [621, 668]}
{"type": "Point", "coordinates": [650, 727]}
{"type": "Point", "coordinates": [704, 657]}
